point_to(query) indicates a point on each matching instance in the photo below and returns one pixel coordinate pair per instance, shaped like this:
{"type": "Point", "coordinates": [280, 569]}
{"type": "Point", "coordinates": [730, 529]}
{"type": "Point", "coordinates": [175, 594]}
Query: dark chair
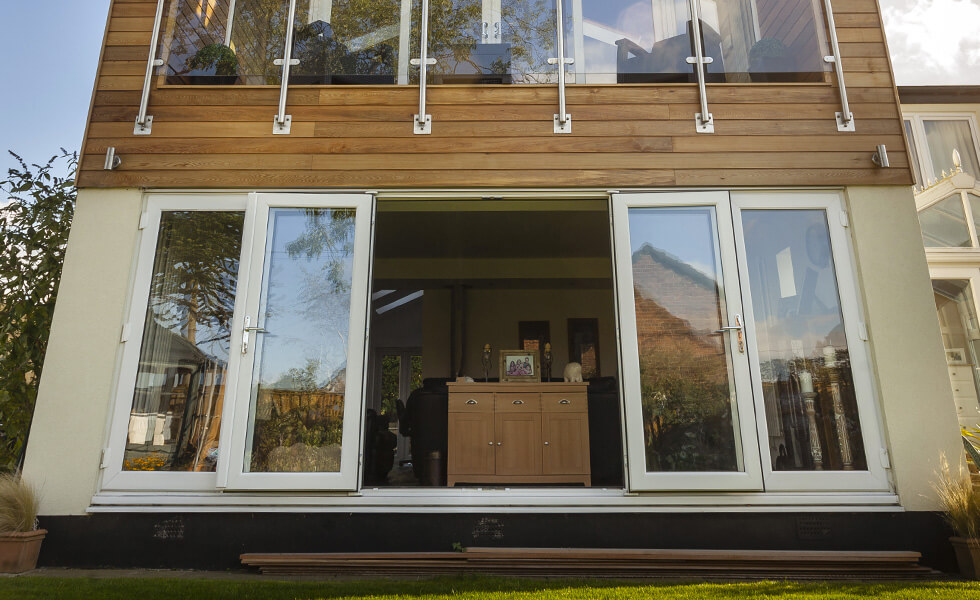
{"type": "Point", "coordinates": [426, 422]}
{"type": "Point", "coordinates": [605, 432]}
{"type": "Point", "coordinates": [666, 62]}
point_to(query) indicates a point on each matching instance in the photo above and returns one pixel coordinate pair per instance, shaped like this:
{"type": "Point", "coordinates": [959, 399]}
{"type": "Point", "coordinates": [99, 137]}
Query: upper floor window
{"type": "Point", "coordinates": [373, 42]}
{"type": "Point", "coordinates": [932, 140]}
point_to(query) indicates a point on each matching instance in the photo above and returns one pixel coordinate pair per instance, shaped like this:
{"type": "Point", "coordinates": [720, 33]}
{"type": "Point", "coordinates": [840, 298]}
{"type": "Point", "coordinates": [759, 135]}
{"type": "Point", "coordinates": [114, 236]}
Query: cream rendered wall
{"type": "Point", "coordinates": [910, 367]}
{"type": "Point", "coordinates": [67, 434]}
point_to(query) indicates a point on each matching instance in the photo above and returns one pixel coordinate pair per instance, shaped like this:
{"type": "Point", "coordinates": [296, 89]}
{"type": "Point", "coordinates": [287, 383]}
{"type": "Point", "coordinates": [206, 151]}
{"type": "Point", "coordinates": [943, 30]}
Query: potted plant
{"type": "Point", "coordinates": [960, 503]}
{"type": "Point", "coordinates": [769, 60]}
{"type": "Point", "coordinates": [219, 63]}
{"type": "Point", "coordinates": [20, 539]}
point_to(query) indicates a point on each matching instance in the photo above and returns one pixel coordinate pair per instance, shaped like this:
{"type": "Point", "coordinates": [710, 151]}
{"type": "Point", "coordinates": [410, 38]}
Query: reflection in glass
{"type": "Point", "coordinates": [198, 46]}
{"type": "Point", "coordinates": [944, 224]}
{"type": "Point", "coordinates": [625, 41]}
{"type": "Point", "coordinates": [299, 379]}
{"type": "Point", "coordinates": [686, 384]}
{"type": "Point", "coordinates": [492, 41]}
{"type": "Point", "coordinates": [356, 42]}
{"type": "Point", "coordinates": [913, 154]}
{"type": "Point", "coordinates": [765, 40]}
{"type": "Point", "coordinates": [942, 137]}
{"type": "Point", "coordinates": [808, 391]}
{"type": "Point", "coordinates": [180, 380]}
{"type": "Point", "coordinates": [961, 339]}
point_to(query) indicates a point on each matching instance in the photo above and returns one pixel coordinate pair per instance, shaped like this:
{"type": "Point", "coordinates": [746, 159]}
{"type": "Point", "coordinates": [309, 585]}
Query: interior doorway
{"type": "Point", "coordinates": [456, 287]}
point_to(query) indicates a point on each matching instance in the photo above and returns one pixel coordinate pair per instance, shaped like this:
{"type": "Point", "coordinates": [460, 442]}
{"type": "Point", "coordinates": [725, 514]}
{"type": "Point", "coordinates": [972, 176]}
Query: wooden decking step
{"type": "Point", "coordinates": [609, 563]}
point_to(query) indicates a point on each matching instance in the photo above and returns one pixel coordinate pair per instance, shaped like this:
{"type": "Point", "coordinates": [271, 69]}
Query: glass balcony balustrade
{"type": "Point", "coordinates": [372, 42]}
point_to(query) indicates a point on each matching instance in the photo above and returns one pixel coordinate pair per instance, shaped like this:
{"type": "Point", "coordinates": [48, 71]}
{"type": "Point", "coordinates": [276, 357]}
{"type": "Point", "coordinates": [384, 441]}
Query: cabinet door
{"type": "Point", "coordinates": [518, 438]}
{"type": "Point", "coordinates": [471, 443]}
{"type": "Point", "coordinates": [566, 443]}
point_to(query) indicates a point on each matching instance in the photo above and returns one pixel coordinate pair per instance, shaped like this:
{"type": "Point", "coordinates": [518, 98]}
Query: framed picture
{"type": "Point", "coordinates": [956, 356]}
{"type": "Point", "coordinates": [520, 365]}
{"type": "Point", "coordinates": [533, 335]}
{"type": "Point", "coordinates": [583, 345]}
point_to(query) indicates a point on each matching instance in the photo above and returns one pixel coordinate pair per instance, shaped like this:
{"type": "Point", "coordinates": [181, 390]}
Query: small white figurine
{"type": "Point", "coordinates": [573, 372]}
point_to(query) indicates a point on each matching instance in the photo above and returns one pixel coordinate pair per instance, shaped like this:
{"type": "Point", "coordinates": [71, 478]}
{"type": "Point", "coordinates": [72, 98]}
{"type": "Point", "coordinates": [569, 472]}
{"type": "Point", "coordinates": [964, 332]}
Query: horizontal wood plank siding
{"type": "Point", "coordinates": [500, 136]}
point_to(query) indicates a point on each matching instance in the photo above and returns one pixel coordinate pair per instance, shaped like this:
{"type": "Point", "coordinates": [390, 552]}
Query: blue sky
{"type": "Point", "coordinates": [51, 50]}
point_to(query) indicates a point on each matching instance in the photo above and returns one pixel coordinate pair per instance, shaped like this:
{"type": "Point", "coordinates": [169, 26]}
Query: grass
{"type": "Point", "coordinates": [464, 588]}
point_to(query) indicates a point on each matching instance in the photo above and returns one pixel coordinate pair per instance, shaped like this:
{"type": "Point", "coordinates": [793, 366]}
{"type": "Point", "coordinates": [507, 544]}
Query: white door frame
{"type": "Point", "coordinates": [750, 475]}
{"type": "Point", "coordinates": [832, 203]}
{"type": "Point", "coordinates": [115, 478]}
{"type": "Point", "coordinates": [234, 427]}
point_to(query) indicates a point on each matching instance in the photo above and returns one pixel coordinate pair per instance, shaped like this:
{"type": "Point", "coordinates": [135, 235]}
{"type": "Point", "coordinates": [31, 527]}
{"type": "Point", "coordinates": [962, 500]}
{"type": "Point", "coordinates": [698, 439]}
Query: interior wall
{"type": "Point", "coordinates": [492, 316]}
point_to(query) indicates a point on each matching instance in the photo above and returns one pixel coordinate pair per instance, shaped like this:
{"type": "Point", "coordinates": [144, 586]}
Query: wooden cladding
{"type": "Point", "coordinates": [622, 135]}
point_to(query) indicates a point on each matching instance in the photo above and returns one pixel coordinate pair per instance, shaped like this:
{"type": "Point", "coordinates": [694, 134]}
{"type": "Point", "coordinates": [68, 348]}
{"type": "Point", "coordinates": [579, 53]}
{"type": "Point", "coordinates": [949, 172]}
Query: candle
{"type": "Point", "coordinates": [806, 382]}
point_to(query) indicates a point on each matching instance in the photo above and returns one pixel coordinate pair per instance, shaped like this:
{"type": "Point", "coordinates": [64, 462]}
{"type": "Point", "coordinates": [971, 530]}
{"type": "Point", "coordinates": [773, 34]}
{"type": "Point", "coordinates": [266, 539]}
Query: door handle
{"type": "Point", "coordinates": [739, 328]}
{"type": "Point", "coordinates": [245, 331]}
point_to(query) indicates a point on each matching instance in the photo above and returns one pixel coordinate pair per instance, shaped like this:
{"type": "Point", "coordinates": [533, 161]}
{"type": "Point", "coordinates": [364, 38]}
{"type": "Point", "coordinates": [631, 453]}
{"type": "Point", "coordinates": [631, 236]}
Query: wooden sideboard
{"type": "Point", "coordinates": [518, 433]}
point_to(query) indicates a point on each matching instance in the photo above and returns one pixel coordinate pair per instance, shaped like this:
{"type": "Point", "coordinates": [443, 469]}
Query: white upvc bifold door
{"type": "Point", "coordinates": [295, 420]}
{"type": "Point", "coordinates": [688, 408]}
{"type": "Point", "coordinates": [744, 365]}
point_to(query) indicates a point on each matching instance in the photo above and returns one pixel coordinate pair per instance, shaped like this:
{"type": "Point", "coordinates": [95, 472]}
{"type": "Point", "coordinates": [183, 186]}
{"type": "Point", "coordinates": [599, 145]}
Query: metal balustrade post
{"type": "Point", "coordinates": [563, 120]}
{"type": "Point", "coordinates": [282, 123]}
{"type": "Point", "coordinates": [704, 121]}
{"type": "Point", "coordinates": [423, 121]}
{"type": "Point", "coordinates": [845, 118]}
{"type": "Point", "coordinates": [144, 122]}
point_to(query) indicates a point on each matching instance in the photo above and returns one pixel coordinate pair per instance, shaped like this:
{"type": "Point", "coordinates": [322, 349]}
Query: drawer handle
{"type": "Point", "coordinates": [491, 443]}
{"type": "Point", "coordinates": [518, 402]}
{"type": "Point", "coordinates": [563, 401]}
{"type": "Point", "coordinates": [547, 443]}
{"type": "Point", "coordinates": [471, 401]}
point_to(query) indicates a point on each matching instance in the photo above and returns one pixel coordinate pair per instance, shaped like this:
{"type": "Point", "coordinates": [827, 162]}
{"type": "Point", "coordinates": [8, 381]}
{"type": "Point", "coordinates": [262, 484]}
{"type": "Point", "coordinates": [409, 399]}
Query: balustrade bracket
{"type": "Point", "coordinates": [282, 127]}
{"type": "Point", "coordinates": [704, 125]}
{"type": "Point", "coordinates": [563, 127]}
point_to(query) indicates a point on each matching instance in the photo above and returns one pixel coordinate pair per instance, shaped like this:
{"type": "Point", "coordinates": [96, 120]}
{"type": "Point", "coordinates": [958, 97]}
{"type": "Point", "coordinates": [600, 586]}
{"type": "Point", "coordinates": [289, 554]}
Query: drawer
{"type": "Point", "coordinates": [964, 373]}
{"type": "Point", "coordinates": [571, 402]}
{"type": "Point", "coordinates": [472, 402]}
{"type": "Point", "coordinates": [517, 402]}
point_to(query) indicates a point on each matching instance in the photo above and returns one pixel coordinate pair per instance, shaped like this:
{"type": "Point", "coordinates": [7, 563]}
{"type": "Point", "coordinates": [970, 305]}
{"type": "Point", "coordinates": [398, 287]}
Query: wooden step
{"type": "Point", "coordinates": [606, 563]}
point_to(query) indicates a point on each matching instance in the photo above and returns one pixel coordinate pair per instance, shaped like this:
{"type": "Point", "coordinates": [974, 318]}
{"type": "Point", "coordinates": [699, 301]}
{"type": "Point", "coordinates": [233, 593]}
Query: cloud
{"type": "Point", "coordinates": [934, 42]}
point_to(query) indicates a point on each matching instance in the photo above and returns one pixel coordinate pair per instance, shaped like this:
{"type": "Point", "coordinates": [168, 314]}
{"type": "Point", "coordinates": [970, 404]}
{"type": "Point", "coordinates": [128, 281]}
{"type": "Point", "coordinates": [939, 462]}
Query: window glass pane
{"type": "Point", "coordinates": [353, 42]}
{"type": "Point", "coordinates": [808, 390]}
{"type": "Point", "coordinates": [914, 156]}
{"type": "Point", "coordinates": [686, 378]}
{"type": "Point", "coordinates": [764, 40]}
{"type": "Point", "coordinates": [180, 381]}
{"type": "Point", "coordinates": [300, 375]}
{"type": "Point", "coordinates": [943, 137]}
{"type": "Point", "coordinates": [492, 41]}
{"type": "Point", "coordinates": [944, 224]}
{"type": "Point", "coordinates": [961, 336]}
{"type": "Point", "coordinates": [974, 201]}
{"type": "Point", "coordinates": [624, 41]}
{"type": "Point", "coordinates": [198, 46]}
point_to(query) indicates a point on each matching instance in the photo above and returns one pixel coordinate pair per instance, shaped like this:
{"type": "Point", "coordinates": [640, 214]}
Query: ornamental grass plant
{"type": "Point", "coordinates": [960, 501]}
{"type": "Point", "coordinates": [19, 503]}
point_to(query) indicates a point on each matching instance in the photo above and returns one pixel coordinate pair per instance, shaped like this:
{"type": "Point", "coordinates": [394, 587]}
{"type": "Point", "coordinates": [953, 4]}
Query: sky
{"type": "Point", "coordinates": [48, 71]}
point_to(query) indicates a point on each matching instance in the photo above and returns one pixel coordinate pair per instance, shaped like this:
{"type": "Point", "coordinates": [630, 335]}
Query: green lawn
{"type": "Point", "coordinates": [460, 588]}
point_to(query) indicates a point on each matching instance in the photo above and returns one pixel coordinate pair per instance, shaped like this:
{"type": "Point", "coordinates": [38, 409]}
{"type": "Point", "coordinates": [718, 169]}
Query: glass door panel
{"type": "Point", "coordinates": [303, 344]}
{"type": "Point", "coordinates": [812, 387]}
{"type": "Point", "coordinates": [688, 405]}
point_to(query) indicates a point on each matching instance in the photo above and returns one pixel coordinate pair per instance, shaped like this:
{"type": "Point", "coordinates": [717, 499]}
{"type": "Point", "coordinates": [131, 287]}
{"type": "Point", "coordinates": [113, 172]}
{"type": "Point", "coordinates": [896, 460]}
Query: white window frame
{"type": "Point", "coordinates": [919, 137]}
{"type": "Point", "coordinates": [114, 477]}
{"type": "Point", "coordinates": [750, 476]}
{"type": "Point", "coordinates": [832, 203]}
{"type": "Point", "coordinates": [231, 452]}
